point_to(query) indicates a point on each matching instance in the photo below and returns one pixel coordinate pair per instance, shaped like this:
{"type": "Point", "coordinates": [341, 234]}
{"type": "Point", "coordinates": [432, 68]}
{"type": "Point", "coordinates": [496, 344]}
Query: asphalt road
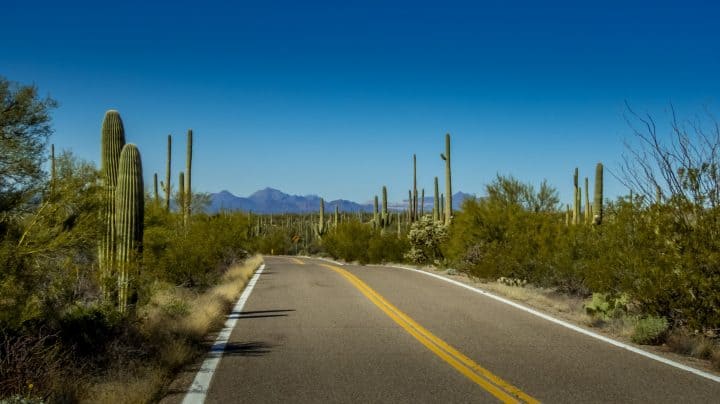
{"type": "Point", "coordinates": [317, 332]}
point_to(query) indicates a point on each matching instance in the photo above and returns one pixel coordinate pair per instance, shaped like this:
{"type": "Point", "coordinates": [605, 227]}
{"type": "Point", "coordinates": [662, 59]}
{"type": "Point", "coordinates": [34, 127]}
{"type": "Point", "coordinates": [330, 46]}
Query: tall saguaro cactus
{"type": "Point", "coordinates": [376, 215]}
{"type": "Point", "coordinates": [156, 195]}
{"type": "Point", "coordinates": [576, 198]}
{"type": "Point", "coordinates": [129, 211]}
{"type": "Point", "coordinates": [321, 227]}
{"type": "Point", "coordinates": [112, 142]}
{"type": "Point", "coordinates": [181, 192]}
{"type": "Point", "coordinates": [598, 200]}
{"type": "Point", "coordinates": [168, 167]}
{"type": "Point", "coordinates": [448, 180]}
{"type": "Point", "coordinates": [384, 215]}
{"type": "Point", "coordinates": [188, 178]}
{"type": "Point", "coordinates": [588, 207]}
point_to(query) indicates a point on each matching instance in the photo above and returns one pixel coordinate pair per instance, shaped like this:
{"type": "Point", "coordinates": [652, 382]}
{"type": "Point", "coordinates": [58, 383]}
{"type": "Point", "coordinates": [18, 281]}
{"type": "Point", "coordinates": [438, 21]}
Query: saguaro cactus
{"type": "Point", "coordinates": [598, 208]}
{"type": "Point", "coordinates": [112, 142]}
{"type": "Point", "coordinates": [188, 178]}
{"type": "Point", "coordinates": [576, 198]}
{"type": "Point", "coordinates": [422, 202]}
{"type": "Point", "coordinates": [588, 207]}
{"type": "Point", "coordinates": [337, 216]}
{"type": "Point", "coordinates": [376, 215]}
{"type": "Point", "coordinates": [321, 227]}
{"type": "Point", "coordinates": [130, 207]}
{"type": "Point", "coordinates": [448, 180]}
{"type": "Point", "coordinates": [384, 215]}
{"type": "Point", "coordinates": [181, 193]}
{"type": "Point", "coordinates": [156, 195]}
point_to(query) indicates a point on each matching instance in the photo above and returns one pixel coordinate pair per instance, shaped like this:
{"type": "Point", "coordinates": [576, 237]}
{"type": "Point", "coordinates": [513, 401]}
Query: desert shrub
{"type": "Point", "coordinates": [649, 330]}
{"type": "Point", "coordinates": [349, 241]}
{"type": "Point", "coordinates": [194, 255]}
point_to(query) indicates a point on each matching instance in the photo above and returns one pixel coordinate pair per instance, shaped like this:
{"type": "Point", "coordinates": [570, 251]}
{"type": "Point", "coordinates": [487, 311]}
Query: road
{"type": "Point", "coordinates": [312, 331]}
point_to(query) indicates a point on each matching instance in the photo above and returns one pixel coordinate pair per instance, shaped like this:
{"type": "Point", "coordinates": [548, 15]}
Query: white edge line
{"type": "Point", "coordinates": [573, 327]}
{"type": "Point", "coordinates": [199, 388]}
{"type": "Point", "coordinates": [323, 259]}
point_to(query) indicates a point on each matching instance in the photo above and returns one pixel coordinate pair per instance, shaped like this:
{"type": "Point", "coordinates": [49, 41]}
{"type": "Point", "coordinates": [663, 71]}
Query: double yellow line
{"type": "Point", "coordinates": [499, 388]}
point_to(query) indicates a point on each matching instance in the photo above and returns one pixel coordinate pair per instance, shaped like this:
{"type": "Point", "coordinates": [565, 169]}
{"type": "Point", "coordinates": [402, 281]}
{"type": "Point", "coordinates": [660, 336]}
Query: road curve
{"type": "Point", "coordinates": [311, 331]}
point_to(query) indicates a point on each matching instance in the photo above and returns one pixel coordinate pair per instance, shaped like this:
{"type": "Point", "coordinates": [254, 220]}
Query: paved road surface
{"type": "Point", "coordinates": [317, 332]}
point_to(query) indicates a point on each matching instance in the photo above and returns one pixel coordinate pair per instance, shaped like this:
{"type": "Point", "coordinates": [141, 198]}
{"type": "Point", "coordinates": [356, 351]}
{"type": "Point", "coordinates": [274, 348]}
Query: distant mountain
{"type": "Point", "coordinates": [271, 200]}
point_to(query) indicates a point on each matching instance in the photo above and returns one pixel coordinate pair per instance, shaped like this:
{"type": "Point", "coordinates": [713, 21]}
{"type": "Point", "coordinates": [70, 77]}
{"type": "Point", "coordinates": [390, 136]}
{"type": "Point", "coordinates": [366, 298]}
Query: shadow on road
{"type": "Point", "coordinates": [253, 348]}
{"type": "Point", "coordinates": [260, 314]}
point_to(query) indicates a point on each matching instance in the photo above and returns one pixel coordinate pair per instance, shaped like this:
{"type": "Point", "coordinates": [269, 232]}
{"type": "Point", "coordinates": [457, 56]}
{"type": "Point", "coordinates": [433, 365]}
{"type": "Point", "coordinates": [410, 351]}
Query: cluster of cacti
{"type": "Point", "coordinates": [593, 214]}
{"type": "Point", "coordinates": [121, 170]}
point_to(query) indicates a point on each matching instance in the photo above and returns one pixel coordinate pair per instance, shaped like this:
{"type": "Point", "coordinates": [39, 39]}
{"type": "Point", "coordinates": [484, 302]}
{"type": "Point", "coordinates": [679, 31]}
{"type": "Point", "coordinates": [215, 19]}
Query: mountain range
{"type": "Point", "coordinates": [271, 200]}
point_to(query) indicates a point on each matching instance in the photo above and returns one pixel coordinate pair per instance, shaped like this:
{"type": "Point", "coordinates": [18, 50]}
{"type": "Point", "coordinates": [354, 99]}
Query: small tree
{"type": "Point", "coordinates": [24, 130]}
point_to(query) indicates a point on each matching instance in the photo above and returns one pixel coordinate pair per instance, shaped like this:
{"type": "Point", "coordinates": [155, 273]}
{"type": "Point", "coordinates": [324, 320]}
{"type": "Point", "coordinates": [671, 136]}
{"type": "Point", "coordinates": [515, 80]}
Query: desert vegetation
{"type": "Point", "coordinates": [105, 289]}
{"type": "Point", "coordinates": [646, 261]}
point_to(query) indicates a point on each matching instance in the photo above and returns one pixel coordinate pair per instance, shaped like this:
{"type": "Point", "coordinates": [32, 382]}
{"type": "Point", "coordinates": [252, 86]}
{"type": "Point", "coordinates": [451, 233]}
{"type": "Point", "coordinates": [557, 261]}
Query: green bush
{"type": "Point", "coordinates": [649, 330]}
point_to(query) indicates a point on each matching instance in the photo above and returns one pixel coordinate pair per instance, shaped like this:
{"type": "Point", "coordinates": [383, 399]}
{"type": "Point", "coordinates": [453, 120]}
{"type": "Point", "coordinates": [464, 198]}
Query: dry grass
{"type": "Point", "coordinates": [175, 321]}
{"type": "Point", "coordinates": [131, 387]}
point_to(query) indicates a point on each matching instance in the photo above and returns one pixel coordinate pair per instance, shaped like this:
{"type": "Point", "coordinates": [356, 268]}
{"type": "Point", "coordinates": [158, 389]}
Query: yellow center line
{"type": "Point", "coordinates": [297, 261]}
{"type": "Point", "coordinates": [499, 388]}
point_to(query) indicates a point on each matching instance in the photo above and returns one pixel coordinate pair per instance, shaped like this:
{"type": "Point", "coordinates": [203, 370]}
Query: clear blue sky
{"type": "Point", "coordinates": [333, 98]}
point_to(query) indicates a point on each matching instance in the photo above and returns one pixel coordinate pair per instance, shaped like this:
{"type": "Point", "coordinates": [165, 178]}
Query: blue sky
{"type": "Point", "coordinates": [333, 98]}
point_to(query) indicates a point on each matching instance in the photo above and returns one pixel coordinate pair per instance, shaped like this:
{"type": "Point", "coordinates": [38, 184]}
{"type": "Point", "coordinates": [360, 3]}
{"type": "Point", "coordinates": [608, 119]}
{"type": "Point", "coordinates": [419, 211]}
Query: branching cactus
{"type": "Point", "coordinates": [130, 207]}
{"type": "Point", "coordinates": [112, 142]}
{"type": "Point", "coordinates": [448, 181]}
{"type": "Point", "coordinates": [598, 208]}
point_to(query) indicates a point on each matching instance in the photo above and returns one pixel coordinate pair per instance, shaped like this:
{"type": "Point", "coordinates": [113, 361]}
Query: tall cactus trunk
{"type": "Point", "coordinates": [181, 194]}
{"type": "Point", "coordinates": [422, 202]}
{"type": "Point", "coordinates": [442, 209]}
{"type": "Point", "coordinates": [112, 143]}
{"type": "Point", "coordinates": [376, 216]}
{"type": "Point", "coordinates": [337, 216]}
{"type": "Point", "coordinates": [598, 208]}
{"type": "Point", "coordinates": [448, 180]}
{"type": "Point", "coordinates": [588, 207]}
{"type": "Point", "coordinates": [188, 178]}
{"type": "Point", "coordinates": [436, 202]}
{"type": "Point", "coordinates": [156, 194]}
{"type": "Point", "coordinates": [384, 215]}
{"type": "Point", "coordinates": [410, 206]}
{"type": "Point", "coordinates": [130, 206]}
{"type": "Point", "coordinates": [168, 168]}
{"type": "Point", "coordinates": [576, 198]}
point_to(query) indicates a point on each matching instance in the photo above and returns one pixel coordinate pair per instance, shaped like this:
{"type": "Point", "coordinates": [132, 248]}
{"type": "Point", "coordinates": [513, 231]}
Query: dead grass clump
{"type": "Point", "coordinates": [697, 346]}
{"type": "Point", "coordinates": [138, 386]}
